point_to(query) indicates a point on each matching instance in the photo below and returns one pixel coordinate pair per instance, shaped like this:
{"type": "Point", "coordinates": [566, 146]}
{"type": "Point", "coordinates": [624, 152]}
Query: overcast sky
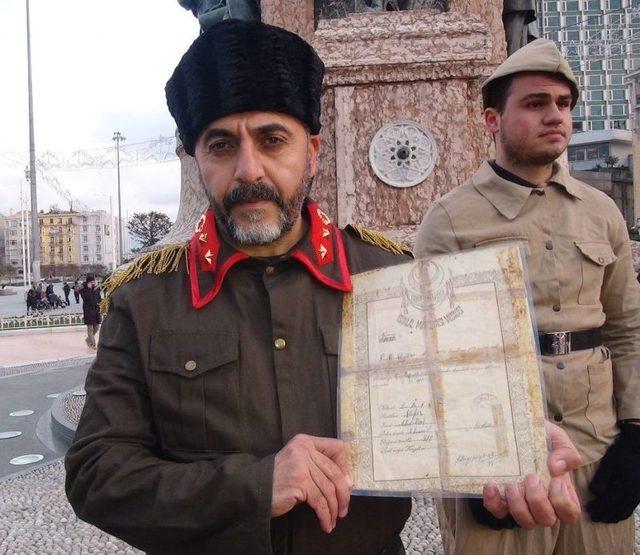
{"type": "Point", "coordinates": [97, 67]}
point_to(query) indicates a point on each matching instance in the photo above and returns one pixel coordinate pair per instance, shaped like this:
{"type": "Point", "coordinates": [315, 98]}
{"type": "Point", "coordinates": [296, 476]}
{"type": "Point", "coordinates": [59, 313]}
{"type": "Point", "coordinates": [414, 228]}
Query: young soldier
{"type": "Point", "coordinates": [585, 294]}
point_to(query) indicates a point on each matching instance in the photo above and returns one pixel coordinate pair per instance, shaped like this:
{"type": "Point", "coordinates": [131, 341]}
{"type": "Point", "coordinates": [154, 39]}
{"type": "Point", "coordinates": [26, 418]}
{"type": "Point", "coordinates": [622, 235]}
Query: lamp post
{"type": "Point", "coordinates": [25, 225]}
{"type": "Point", "coordinates": [35, 224]}
{"type": "Point", "coordinates": [118, 138]}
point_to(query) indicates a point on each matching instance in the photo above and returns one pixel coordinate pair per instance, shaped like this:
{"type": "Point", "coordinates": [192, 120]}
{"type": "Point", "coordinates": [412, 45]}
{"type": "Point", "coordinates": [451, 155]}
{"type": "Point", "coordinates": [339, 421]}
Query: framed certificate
{"type": "Point", "coordinates": [440, 389]}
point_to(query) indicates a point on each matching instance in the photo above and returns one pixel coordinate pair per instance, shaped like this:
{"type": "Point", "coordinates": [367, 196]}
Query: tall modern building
{"type": "Point", "coordinates": [601, 41]}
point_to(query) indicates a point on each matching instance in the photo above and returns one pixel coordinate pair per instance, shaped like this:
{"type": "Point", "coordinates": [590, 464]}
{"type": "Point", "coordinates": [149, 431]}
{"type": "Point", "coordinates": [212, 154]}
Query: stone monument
{"type": "Point", "coordinates": [401, 108]}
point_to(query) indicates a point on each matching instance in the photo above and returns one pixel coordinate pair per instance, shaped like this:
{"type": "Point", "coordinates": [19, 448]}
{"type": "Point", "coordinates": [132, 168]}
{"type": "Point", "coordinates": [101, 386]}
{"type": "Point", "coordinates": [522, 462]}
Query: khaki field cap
{"type": "Point", "coordinates": [539, 55]}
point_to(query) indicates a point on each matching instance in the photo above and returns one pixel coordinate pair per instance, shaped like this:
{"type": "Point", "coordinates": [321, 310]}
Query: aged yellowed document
{"type": "Point", "coordinates": [439, 382]}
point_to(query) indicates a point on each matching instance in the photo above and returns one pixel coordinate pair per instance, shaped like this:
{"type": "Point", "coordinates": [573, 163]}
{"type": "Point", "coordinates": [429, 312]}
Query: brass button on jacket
{"type": "Point", "coordinates": [280, 344]}
{"type": "Point", "coordinates": [190, 365]}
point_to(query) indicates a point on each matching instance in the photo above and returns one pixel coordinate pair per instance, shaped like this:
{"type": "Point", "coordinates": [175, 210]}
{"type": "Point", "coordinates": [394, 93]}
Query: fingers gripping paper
{"type": "Point", "coordinates": [439, 382]}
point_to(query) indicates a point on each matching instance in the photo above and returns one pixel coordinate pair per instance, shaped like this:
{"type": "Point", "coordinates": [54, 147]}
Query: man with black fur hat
{"type": "Point", "coordinates": [586, 297]}
{"type": "Point", "coordinates": [210, 421]}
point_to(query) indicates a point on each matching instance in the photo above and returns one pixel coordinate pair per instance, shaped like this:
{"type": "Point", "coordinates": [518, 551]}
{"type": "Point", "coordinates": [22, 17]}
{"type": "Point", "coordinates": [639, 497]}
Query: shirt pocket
{"type": "Point", "coordinates": [521, 241]}
{"type": "Point", "coordinates": [594, 258]}
{"type": "Point", "coordinates": [195, 387]}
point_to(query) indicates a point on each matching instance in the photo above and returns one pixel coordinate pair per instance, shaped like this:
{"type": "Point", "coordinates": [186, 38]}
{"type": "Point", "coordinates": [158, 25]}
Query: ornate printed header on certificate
{"type": "Point", "coordinates": [439, 382]}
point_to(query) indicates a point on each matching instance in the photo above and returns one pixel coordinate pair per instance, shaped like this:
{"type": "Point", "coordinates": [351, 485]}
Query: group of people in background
{"type": "Point", "coordinates": [42, 297]}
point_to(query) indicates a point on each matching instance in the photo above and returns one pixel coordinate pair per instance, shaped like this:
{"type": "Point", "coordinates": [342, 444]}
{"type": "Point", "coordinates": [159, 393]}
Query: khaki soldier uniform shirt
{"type": "Point", "coordinates": [187, 407]}
{"type": "Point", "coordinates": [581, 277]}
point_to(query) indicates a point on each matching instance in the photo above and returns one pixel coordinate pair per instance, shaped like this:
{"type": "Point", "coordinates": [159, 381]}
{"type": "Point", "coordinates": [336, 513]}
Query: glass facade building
{"type": "Point", "coordinates": [601, 41]}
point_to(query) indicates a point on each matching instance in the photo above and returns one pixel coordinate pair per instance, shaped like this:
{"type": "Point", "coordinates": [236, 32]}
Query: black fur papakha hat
{"type": "Point", "coordinates": [240, 66]}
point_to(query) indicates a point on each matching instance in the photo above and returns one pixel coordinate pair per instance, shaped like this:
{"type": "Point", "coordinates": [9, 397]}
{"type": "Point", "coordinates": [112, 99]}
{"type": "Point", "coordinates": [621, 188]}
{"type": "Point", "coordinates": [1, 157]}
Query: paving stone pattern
{"type": "Point", "coordinates": [72, 406]}
{"type": "Point", "coordinates": [35, 518]}
{"type": "Point", "coordinates": [421, 533]}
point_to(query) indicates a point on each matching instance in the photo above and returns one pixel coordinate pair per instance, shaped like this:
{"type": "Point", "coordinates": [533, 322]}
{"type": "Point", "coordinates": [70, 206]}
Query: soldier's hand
{"type": "Point", "coordinates": [616, 484]}
{"type": "Point", "coordinates": [529, 503]}
{"type": "Point", "coordinates": [312, 470]}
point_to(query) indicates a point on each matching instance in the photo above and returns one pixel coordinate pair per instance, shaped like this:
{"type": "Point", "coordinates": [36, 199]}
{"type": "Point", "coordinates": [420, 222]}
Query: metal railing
{"type": "Point", "coordinates": [40, 319]}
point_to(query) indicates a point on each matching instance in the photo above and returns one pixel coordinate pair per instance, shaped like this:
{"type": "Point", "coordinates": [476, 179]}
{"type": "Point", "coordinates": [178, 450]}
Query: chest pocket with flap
{"type": "Point", "coordinates": [594, 257]}
{"type": "Point", "coordinates": [195, 385]}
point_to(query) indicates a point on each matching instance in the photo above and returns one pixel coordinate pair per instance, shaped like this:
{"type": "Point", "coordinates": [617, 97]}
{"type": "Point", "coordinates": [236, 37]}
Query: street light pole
{"type": "Point", "coordinates": [35, 224]}
{"type": "Point", "coordinates": [22, 234]}
{"type": "Point", "coordinates": [118, 138]}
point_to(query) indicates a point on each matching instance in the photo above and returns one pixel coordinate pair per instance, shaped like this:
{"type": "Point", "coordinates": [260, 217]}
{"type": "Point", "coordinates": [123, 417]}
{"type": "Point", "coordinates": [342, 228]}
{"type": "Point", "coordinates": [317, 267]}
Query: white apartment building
{"type": "Point", "coordinates": [13, 231]}
{"type": "Point", "coordinates": [96, 239]}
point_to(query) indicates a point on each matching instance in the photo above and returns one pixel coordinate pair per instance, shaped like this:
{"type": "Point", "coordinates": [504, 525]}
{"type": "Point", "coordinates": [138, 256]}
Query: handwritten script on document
{"type": "Point", "coordinates": [440, 387]}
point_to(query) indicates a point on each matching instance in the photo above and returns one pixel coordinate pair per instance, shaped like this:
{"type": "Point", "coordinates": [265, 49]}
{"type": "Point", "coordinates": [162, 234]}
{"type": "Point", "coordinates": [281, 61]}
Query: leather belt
{"type": "Point", "coordinates": [565, 342]}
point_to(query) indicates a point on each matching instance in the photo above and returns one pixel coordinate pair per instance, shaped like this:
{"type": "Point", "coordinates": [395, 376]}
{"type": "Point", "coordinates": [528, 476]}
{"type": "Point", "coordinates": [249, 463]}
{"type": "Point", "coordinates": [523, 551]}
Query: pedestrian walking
{"type": "Point", "coordinates": [91, 309]}
{"type": "Point", "coordinates": [76, 291]}
{"type": "Point", "coordinates": [31, 299]}
{"type": "Point", "coordinates": [67, 289]}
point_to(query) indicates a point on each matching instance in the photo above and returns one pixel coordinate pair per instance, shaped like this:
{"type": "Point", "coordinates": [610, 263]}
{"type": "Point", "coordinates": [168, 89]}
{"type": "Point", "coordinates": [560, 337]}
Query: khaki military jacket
{"type": "Point", "coordinates": [186, 407]}
{"type": "Point", "coordinates": [581, 276]}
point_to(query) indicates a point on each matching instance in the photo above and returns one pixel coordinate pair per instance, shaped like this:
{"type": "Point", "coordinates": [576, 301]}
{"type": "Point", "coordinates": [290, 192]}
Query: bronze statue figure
{"type": "Point", "coordinates": [520, 25]}
{"type": "Point", "coordinates": [209, 12]}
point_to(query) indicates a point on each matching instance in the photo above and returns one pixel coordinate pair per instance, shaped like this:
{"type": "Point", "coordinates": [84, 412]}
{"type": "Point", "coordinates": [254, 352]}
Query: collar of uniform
{"type": "Point", "coordinates": [508, 199]}
{"type": "Point", "coordinates": [506, 174]}
{"type": "Point", "coordinates": [561, 176]}
{"type": "Point", "coordinates": [321, 251]}
{"type": "Point", "coordinates": [502, 193]}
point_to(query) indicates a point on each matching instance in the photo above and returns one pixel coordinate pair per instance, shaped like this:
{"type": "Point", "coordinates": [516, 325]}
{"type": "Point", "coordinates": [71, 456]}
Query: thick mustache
{"type": "Point", "coordinates": [246, 192]}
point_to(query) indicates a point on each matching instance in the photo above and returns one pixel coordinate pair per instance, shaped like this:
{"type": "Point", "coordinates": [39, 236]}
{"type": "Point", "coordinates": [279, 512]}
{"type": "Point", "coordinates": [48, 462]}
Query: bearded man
{"type": "Point", "coordinates": [585, 294]}
{"type": "Point", "coordinates": [210, 421]}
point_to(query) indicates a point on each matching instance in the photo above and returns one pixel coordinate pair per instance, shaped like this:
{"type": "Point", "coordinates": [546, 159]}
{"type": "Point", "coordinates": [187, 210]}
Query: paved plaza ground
{"type": "Point", "coordinates": [48, 345]}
